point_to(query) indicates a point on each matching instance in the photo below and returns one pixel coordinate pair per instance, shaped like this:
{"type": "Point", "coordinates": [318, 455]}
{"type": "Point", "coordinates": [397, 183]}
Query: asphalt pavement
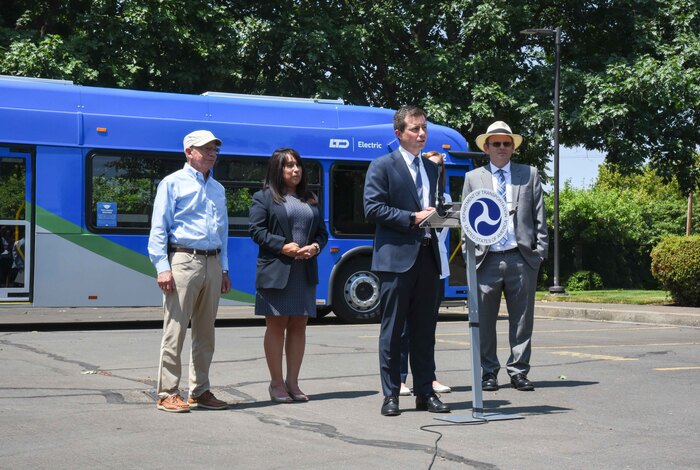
{"type": "Point", "coordinates": [609, 394]}
{"type": "Point", "coordinates": [21, 314]}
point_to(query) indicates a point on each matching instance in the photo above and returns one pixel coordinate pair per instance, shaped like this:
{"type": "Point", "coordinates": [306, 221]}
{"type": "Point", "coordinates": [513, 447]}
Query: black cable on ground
{"type": "Point", "coordinates": [426, 426]}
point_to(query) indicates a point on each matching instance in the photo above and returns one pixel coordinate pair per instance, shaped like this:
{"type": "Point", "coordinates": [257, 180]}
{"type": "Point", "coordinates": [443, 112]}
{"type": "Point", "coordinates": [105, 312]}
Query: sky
{"type": "Point", "coordinates": [578, 165]}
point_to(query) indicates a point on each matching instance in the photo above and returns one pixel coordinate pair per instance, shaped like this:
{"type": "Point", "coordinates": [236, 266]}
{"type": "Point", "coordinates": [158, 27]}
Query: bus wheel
{"type": "Point", "coordinates": [356, 292]}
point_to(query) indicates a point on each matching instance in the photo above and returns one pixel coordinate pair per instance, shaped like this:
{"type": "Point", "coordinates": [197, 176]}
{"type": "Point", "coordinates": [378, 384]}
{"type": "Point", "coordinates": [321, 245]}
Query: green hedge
{"type": "Point", "coordinates": [675, 262]}
{"type": "Point", "coordinates": [584, 280]}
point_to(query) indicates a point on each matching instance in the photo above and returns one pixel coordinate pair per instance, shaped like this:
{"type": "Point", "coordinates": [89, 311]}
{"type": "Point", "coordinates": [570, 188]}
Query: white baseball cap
{"type": "Point", "coordinates": [199, 138]}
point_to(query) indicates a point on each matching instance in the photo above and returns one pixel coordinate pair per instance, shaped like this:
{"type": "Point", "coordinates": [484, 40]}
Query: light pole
{"type": "Point", "coordinates": [556, 288]}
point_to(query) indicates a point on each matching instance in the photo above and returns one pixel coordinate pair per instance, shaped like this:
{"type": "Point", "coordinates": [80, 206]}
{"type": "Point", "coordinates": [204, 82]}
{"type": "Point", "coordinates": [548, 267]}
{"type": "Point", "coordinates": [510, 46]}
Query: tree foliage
{"type": "Point", "coordinates": [676, 264]}
{"type": "Point", "coordinates": [630, 68]}
{"type": "Point", "coordinates": [612, 227]}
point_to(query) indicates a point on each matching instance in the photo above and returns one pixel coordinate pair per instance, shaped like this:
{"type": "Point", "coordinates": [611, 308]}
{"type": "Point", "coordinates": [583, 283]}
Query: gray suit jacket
{"type": "Point", "coordinates": [528, 204]}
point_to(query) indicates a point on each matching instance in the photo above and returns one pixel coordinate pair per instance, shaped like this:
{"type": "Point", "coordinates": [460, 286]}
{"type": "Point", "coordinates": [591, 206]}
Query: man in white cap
{"type": "Point", "coordinates": [509, 266]}
{"type": "Point", "coordinates": [188, 246]}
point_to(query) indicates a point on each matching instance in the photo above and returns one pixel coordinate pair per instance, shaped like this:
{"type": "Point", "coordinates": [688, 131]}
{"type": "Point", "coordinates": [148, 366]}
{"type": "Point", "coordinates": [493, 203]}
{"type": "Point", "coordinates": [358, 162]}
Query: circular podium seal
{"type": "Point", "coordinates": [484, 217]}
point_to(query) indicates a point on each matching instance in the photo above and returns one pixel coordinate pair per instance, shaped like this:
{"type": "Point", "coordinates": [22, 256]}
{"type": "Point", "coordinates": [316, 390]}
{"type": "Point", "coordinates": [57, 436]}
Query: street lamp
{"type": "Point", "coordinates": [556, 288]}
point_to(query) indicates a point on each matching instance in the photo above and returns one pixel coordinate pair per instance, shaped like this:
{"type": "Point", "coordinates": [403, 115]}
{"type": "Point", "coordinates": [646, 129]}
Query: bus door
{"type": "Point", "coordinates": [15, 223]}
{"type": "Point", "coordinates": [456, 287]}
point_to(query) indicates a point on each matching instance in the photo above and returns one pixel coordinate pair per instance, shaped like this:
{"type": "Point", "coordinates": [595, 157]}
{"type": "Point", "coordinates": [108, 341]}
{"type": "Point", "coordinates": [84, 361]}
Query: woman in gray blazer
{"type": "Point", "coordinates": [287, 224]}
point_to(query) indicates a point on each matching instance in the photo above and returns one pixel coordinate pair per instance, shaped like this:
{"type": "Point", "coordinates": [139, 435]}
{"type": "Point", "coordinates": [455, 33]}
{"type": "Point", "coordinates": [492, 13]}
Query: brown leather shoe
{"type": "Point", "coordinates": [208, 401]}
{"type": "Point", "coordinates": [173, 404]}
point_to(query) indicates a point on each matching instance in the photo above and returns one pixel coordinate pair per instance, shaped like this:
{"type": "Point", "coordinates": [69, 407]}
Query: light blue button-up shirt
{"type": "Point", "coordinates": [189, 211]}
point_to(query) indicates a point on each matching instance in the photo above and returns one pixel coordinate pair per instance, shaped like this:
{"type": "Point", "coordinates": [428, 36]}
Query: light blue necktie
{"type": "Point", "coordinates": [501, 189]}
{"type": "Point", "coordinates": [419, 180]}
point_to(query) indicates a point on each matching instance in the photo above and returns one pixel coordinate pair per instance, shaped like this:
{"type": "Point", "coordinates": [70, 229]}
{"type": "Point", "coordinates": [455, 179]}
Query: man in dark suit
{"type": "Point", "coordinates": [399, 195]}
{"type": "Point", "coordinates": [509, 266]}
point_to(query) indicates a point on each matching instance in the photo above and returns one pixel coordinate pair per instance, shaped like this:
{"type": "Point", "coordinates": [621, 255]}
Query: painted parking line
{"type": "Point", "coordinates": [666, 369]}
{"type": "Point", "coordinates": [595, 330]}
{"type": "Point", "coordinates": [582, 330]}
{"type": "Point", "coordinates": [602, 357]}
{"type": "Point", "coordinates": [585, 346]}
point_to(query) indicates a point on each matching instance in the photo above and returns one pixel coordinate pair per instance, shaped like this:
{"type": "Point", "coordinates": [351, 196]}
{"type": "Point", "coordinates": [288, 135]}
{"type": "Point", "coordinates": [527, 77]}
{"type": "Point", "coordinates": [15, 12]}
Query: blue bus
{"type": "Point", "coordinates": [79, 167]}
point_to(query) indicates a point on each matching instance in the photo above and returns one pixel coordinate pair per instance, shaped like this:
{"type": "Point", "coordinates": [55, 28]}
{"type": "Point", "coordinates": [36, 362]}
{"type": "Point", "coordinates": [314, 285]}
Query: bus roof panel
{"type": "Point", "coordinates": [364, 116]}
{"type": "Point", "coordinates": [114, 102]}
{"type": "Point", "coordinates": [42, 95]}
{"type": "Point", "coordinates": [282, 113]}
{"type": "Point", "coordinates": [42, 113]}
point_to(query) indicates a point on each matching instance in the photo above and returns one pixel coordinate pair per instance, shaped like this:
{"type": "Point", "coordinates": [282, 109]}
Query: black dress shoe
{"type": "Point", "coordinates": [391, 406]}
{"type": "Point", "coordinates": [489, 382]}
{"type": "Point", "coordinates": [521, 383]}
{"type": "Point", "coordinates": [431, 403]}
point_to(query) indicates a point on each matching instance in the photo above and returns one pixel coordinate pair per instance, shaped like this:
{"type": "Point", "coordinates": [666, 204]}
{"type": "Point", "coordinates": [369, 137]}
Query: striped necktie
{"type": "Point", "coordinates": [501, 189]}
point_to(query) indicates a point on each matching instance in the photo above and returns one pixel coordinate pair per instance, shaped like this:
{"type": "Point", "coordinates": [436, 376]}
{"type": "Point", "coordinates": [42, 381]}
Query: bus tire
{"type": "Point", "coordinates": [356, 292]}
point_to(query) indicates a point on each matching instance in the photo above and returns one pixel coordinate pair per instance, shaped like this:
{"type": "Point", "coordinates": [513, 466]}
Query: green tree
{"type": "Point", "coordinates": [630, 68]}
{"type": "Point", "coordinates": [612, 227]}
{"type": "Point", "coordinates": [12, 196]}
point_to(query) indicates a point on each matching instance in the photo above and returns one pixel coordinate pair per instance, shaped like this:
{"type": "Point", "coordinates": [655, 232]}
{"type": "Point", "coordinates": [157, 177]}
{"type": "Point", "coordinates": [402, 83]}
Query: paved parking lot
{"type": "Point", "coordinates": [609, 395]}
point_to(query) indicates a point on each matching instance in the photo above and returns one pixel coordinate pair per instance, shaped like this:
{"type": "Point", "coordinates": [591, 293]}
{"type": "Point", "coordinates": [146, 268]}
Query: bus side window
{"type": "Point", "coordinates": [243, 176]}
{"type": "Point", "coordinates": [347, 216]}
{"type": "Point", "coordinates": [128, 181]}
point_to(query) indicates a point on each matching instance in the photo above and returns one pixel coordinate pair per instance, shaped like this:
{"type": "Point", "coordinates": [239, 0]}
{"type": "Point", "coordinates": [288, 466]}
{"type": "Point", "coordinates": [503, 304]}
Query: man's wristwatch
{"type": "Point", "coordinates": [225, 271]}
{"type": "Point", "coordinates": [318, 248]}
{"type": "Point", "coordinates": [413, 218]}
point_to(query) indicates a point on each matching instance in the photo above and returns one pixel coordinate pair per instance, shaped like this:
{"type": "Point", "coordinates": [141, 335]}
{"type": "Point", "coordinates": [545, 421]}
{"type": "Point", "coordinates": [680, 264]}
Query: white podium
{"type": "Point", "coordinates": [483, 217]}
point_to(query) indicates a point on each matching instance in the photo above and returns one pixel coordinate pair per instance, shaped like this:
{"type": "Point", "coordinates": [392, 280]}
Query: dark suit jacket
{"type": "Point", "coordinates": [389, 198]}
{"type": "Point", "coordinates": [530, 224]}
{"type": "Point", "coordinates": [271, 229]}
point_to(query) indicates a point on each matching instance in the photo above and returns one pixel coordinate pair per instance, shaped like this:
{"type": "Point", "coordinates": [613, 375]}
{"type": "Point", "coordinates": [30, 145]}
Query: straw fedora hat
{"type": "Point", "coordinates": [499, 128]}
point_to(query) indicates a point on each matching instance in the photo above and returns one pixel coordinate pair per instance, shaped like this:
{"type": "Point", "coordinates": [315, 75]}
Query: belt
{"type": "Point", "coordinates": [512, 250]}
{"type": "Point", "coordinates": [425, 241]}
{"type": "Point", "coordinates": [193, 251]}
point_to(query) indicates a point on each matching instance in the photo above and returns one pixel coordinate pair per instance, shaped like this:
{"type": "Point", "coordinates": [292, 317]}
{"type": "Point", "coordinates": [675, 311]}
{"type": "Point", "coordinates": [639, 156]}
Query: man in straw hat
{"type": "Point", "coordinates": [509, 266]}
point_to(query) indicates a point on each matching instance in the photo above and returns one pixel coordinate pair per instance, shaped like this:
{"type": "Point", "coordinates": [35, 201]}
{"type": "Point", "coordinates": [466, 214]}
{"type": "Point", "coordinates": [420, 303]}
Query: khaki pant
{"type": "Point", "coordinates": [196, 299]}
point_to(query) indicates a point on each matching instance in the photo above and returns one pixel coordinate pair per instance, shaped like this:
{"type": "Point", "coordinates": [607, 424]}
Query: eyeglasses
{"type": "Point", "coordinates": [291, 165]}
{"type": "Point", "coordinates": [506, 144]}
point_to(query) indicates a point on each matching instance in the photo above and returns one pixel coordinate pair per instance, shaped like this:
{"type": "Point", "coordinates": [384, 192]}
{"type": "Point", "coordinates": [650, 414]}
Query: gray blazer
{"type": "Point", "coordinates": [530, 224]}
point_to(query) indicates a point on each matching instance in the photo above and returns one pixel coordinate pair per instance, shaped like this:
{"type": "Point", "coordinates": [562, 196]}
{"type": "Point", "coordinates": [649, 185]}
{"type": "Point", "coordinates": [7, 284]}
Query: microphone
{"type": "Point", "coordinates": [440, 195]}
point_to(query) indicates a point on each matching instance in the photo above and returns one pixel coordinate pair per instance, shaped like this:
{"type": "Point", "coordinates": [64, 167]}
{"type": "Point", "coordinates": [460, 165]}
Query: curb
{"type": "Point", "coordinates": [621, 313]}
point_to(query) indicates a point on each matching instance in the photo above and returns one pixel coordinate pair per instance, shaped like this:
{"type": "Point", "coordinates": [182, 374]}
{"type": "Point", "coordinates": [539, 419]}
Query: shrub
{"type": "Point", "coordinates": [584, 280]}
{"type": "Point", "coordinates": [675, 262]}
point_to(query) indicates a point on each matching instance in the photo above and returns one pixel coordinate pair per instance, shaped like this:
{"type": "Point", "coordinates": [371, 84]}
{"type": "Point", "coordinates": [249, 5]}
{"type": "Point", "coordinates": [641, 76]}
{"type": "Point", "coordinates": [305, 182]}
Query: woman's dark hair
{"type": "Point", "coordinates": [274, 180]}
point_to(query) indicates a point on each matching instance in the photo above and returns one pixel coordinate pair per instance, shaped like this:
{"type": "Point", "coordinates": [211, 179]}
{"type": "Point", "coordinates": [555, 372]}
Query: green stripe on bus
{"type": "Point", "coordinates": [110, 250]}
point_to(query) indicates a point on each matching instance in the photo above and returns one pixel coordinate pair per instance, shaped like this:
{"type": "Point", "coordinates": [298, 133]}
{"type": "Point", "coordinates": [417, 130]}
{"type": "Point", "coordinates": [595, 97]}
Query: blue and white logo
{"type": "Point", "coordinates": [339, 143]}
{"type": "Point", "coordinates": [106, 214]}
{"type": "Point", "coordinates": [484, 217]}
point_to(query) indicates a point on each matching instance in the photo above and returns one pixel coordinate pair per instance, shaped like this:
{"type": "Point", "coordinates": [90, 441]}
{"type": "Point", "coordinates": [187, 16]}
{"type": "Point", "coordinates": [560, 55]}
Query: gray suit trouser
{"type": "Point", "coordinates": [508, 274]}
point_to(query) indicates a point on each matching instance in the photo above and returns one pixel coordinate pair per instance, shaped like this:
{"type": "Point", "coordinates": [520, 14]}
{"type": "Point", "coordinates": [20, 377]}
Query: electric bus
{"type": "Point", "coordinates": [79, 168]}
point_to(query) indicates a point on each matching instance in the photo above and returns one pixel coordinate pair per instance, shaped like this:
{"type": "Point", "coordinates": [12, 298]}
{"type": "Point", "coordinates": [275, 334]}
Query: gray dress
{"type": "Point", "coordinates": [298, 298]}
